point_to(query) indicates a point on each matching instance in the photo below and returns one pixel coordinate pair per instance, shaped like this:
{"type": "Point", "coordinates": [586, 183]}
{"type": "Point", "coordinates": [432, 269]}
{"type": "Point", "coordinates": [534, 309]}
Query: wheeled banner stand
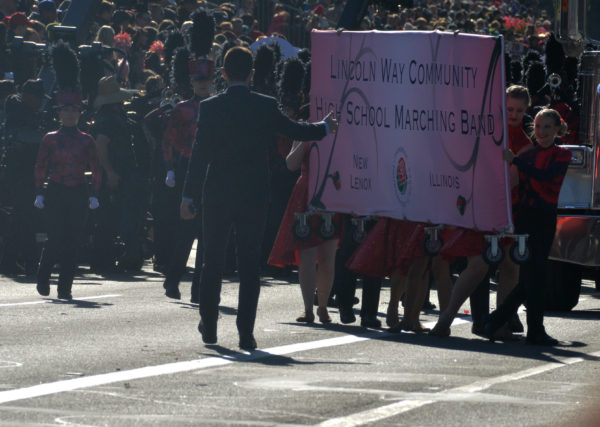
{"type": "Point", "coordinates": [493, 253]}
{"type": "Point", "coordinates": [432, 245]}
{"type": "Point", "coordinates": [359, 233]}
{"type": "Point", "coordinates": [301, 228]}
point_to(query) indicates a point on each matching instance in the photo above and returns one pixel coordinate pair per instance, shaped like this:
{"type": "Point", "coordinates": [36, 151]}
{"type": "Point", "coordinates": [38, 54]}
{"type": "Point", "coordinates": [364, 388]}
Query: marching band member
{"type": "Point", "coordinates": [541, 173]}
{"type": "Point", "coordinates": [177, 149]}
{"type": "Point", "coordinates": [306, 253]}
{"type": "Point", "coordinates": [394, 248]}
{"type": "Point", "coordinates": [62, 160]}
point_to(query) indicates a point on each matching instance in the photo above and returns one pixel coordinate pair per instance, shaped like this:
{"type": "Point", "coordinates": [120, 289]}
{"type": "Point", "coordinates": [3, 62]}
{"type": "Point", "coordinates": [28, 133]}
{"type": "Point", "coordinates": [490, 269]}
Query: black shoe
{"type": "Point", "coordinates": [43, 289]}
{"type": "Point", "coordinates": [428, 305]}
{"type": "Point", "coordinates": [370, 322]}
{"type": "Point", "coordinates": [208, 337]}
{"type": "Point", "coordinates": [173, 292]}
{"type": "Point", "coordinates": [159, 268]}
{"type": "Point", "coordinates": [247, 342]}
{"type": "Point", "coordinates": [489, 331]}
{"type": "Point", "coordinates": [514, 323]}
{"type": "Point", "coordinates": [541, 338]}
{"type": "Point", "coordinates": [65, 296]}
{"type": "Point", "coordinates": [347, 315]}
{"type": "Point", "coordinates": [478, 329]}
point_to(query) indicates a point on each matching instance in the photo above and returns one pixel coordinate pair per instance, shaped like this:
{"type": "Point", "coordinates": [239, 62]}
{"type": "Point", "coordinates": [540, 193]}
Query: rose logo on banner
{"type": "Point", "coordinates": [402, 177]}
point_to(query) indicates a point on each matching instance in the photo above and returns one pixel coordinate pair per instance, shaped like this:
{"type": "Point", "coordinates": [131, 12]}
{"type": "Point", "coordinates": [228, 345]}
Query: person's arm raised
{"type": "Point", "coordinates": [301, 131]}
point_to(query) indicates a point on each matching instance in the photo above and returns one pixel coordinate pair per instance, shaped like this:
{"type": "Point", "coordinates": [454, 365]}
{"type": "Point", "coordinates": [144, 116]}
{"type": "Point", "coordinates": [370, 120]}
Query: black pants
{"type": "Point", "coordinates": [187, 232]}
{"type": "Point", "coordinates": [249, 221]}
{"type": "Point", "coordinates": [120, 214]}
{"type": "Point", "coordinates": [480, 300]}
{"type": "Point", "coordinates": [165, 211]}
{"type": "Point", "coordinates": [345, 280]}
{"type": "Point", "coordinates": [65, 212]}
{"type": "Point", "coordinates": [541, 226]}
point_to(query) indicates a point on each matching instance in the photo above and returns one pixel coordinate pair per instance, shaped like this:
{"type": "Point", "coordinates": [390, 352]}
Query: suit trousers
{"type": "Point", "coordinates": [249, 221]}
{"type": "Point", "coordinates": [541, 226]}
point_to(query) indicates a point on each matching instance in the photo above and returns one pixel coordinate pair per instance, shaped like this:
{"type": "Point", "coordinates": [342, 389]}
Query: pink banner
{"type": "Point", "coordinates": [422, 127]}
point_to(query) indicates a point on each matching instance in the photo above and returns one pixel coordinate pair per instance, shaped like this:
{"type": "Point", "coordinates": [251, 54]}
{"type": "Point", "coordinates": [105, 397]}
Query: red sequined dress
{"type": "Point", "coordinates": [286, 247]}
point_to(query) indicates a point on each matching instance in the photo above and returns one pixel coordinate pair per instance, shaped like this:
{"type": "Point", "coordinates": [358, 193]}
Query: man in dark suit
{"type": "Point", "coordinates": [229, 169]}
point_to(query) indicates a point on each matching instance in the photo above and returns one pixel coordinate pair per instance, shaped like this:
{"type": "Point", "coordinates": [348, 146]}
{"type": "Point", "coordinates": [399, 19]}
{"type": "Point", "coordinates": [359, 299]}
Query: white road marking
{"type": "Point", "coordinates": [397, 408]}
{"type": "Point", "coordinates": [9, 364]}
{"type": "Point", "coordinates": [179, 367]}
{"type": "Point", "coordinates": [46, 301]}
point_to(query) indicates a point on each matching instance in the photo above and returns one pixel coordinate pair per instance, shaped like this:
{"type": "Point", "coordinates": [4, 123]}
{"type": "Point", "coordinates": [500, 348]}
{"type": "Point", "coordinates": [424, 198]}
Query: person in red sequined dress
{"type": "Point", "coordinates": [306, 254]}
{"type": "Point", "coordinates": [395, 248]}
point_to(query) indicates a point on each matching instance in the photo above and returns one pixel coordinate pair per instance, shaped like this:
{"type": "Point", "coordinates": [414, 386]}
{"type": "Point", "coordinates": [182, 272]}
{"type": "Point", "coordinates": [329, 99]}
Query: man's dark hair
{"type": "Point", "coordinates": [238, 63]}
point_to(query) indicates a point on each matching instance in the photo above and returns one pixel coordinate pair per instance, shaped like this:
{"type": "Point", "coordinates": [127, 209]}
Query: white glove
{"type": "Point", "coordinates": [170, 179]}
{"type": "Point", "coordinates": [94, 203]}
{"type": "Point", "coordinates": [39, 202]}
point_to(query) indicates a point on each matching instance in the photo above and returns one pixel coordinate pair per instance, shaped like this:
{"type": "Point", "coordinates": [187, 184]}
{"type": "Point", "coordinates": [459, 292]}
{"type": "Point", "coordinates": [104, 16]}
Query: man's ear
{"type": "Point", "coordinates": [224, 74]}
{"type": "Point", "coordinates": [250, 77]}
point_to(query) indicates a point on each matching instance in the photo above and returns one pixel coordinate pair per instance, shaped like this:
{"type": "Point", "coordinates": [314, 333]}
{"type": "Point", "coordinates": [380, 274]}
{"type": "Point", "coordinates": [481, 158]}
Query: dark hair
{"type": "Point", "coordinates": [238, 63]}
{"type": "Point", "coordinates": [154, 84]}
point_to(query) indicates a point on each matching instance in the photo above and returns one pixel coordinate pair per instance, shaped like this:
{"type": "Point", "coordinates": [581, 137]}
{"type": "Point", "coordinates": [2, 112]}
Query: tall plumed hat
{"type": "Point", "coordinates": [194, 62]}
{"type": "Point", "coordinates": [555, 55]}
{"type": "Point", "coordinates": [66, 70]}
{"type": "Point", "coordinates": [202, 32]}
{"type": "Point", "coordinates": [173, 41]}
{"type": "Point", "coordinates": [264, 70]}
{"type": "Point", "coordinates": [535, 78]}
{"type": "Point", "coordinates": [290, 84]}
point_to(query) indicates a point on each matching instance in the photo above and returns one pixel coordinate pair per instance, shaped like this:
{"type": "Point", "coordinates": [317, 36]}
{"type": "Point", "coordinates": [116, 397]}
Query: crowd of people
{"type": "Point", "coordinates": [100, 163]}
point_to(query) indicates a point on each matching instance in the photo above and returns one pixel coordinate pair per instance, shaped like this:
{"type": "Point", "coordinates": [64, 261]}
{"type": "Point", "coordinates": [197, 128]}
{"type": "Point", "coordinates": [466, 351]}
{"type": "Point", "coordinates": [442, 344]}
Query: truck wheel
{"type": "Point", "coordinates": [563, 285]}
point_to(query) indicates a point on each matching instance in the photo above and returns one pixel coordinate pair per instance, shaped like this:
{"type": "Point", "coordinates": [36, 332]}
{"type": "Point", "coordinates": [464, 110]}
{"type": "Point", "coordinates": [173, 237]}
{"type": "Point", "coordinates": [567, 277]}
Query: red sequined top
{"type": "Point", "coordinates": [181, 131]}
{"type": "Point", "coordinates": [63, 158]}
{"type": "Point", "coordinates": [542, 171]}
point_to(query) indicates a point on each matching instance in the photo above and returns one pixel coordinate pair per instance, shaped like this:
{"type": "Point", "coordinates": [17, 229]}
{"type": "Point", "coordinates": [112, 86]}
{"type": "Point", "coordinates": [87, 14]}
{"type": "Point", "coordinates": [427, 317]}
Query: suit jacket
{"type": "Point", "coordinates": [230, 158]}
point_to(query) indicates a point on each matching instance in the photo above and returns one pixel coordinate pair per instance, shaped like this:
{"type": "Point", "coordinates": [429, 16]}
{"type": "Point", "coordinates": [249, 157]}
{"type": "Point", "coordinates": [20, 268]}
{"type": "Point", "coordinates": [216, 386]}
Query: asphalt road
{"type": "Point", "coordinates": [122, 354]}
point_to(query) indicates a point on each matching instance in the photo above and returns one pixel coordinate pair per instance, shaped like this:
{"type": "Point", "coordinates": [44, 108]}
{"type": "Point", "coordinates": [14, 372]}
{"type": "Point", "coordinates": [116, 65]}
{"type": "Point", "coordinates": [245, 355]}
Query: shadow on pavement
{"type": "Point", "coordinates": [576, 314]}
{"type": "Point", "coordinates": [79, 303]}
{"type": "Point", "coordinates": [265, 358]}
{"type": "Point", "coordinates": [512, 349]}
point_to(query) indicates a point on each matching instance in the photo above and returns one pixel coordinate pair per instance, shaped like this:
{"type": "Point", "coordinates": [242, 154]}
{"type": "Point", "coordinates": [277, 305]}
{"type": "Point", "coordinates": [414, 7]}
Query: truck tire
{"type": "Point", "coordinates": [563, 285]}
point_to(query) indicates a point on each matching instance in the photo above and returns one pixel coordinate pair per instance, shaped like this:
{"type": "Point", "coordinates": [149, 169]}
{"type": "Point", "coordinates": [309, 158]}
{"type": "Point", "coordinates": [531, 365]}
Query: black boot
{"type": "Point", "coordinates": [540, 337]}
